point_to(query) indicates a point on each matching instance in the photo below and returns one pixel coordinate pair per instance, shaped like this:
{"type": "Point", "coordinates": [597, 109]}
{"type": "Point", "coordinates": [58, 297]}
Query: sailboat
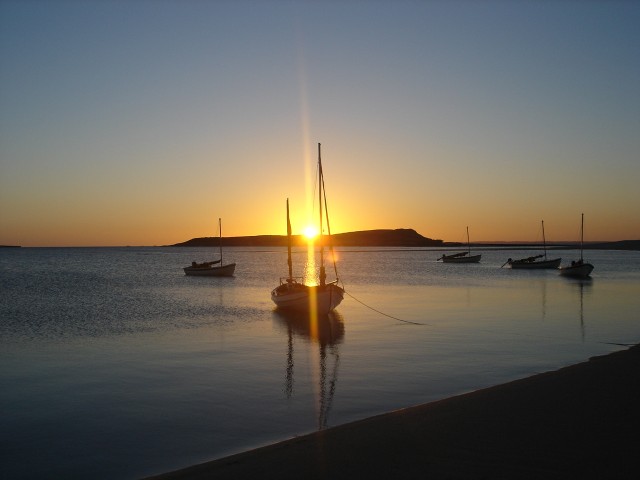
{"type": "Point", "coordinates": [461, 257]}
{"type": "Point", "coordinates": [214, 268]}
{"type": "Point", "coordinates": [534, 262]}
{"type": "Point", "coordinates": [578, 268]}
{"type": "Point", "coordinates": [293, 293]}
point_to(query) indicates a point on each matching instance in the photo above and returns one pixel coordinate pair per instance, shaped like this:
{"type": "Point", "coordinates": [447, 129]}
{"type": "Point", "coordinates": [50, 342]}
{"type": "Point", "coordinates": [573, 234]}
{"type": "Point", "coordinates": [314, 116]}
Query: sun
{"type": "Point", "coordinates": [310, 232]}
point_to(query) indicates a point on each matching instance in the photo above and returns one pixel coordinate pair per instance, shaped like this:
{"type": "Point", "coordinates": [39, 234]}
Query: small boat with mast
{"type": "Point", "coordinates": [212, 269]}
{"type": "Point", "coordinates": [461, 257]}
{"type": "Point", "coordinates": [534, 262]}
{"type": "Point", "coordinates": [293, 293]}
{"type": "Point", "coordinates": [578, 268]}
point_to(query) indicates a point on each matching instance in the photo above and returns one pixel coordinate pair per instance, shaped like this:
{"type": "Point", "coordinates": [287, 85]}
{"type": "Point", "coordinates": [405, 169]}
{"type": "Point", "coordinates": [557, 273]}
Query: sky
{"type": "Point", "coordinates": [143, 122]}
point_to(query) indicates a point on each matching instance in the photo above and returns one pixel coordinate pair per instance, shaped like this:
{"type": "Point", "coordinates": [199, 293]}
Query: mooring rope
{"type": "Point", "coordinates": [486, 330]}
{"type": "Point", "coordinates": [385, 314]}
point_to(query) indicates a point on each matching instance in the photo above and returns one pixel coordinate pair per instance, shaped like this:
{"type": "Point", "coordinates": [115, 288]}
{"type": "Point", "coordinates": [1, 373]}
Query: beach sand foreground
{"type": "Point", "coordinates": [577, 422]}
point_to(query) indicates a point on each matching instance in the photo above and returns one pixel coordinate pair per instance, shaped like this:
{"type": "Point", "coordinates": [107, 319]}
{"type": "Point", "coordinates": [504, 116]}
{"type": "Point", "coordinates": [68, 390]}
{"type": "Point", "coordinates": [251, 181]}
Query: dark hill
{"type": "Point", "coordinates": [402, 237]}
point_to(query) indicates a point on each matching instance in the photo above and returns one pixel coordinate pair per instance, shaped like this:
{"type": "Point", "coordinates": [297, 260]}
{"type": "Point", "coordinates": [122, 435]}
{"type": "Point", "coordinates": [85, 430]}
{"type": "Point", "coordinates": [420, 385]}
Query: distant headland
{"type": "Point", "coordinates": [401, 237]}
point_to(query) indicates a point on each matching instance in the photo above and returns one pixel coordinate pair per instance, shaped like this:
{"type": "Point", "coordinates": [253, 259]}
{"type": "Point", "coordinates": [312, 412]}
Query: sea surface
{"type": "Point", "coordinates": [115, 365]}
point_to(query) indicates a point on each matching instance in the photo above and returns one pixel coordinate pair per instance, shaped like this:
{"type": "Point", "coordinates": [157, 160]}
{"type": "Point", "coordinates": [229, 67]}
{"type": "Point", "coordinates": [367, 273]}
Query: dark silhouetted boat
{"type": "Point", "coordinates": [535, 262]}
{"type": "Point", "coordinates": [213, 268]}
{"type": "Point", "coordinates": [578, 268]}
{"type": "Point", "coordinates": [461, 257]}
{"type": "Point", "coordinates": [293, 293]}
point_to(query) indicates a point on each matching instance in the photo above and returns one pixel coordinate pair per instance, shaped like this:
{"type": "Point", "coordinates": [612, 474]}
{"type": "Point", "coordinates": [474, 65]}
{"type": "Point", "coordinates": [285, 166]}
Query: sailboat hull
{"type": "Point", "coordinates": [469, 259]}
{"type": "Point", "coordinates": [524, 265]}
{"type": "Point", "coordinates": [222, 271]}
{"type": "Point", "coordinates": [304, 298]}
{"type": "Point", "coordinates": [577, 270]}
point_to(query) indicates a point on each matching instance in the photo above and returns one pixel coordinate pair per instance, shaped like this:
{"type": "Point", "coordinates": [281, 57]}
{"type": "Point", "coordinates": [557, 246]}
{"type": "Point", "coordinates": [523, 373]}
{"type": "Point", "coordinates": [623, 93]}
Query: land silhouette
{"type": "Point", "coordinates": [401, 237]}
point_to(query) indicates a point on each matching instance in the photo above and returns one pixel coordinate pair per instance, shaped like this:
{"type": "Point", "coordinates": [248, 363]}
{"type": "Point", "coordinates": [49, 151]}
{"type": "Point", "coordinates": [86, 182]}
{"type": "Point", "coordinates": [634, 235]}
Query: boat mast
{"type": "Point", "coordinates": [544, 241]}
{"type": "Point", "coordinates": [290, 279]}
{"type": "Point", "coordinates": [323, 275]}
{"type": "Point", "coordinates": [581, 236]}
{"type": "Point", "coordinates": [326, 216]}
{"type": "Point", "coordinates": [220, 230]}
{"type": "Point", "coordinates": [468, 244]}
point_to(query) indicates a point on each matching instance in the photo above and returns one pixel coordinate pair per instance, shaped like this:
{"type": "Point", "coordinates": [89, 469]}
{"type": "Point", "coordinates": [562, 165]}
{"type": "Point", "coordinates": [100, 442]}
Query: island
{"type": "Point", "coordinates": [400, 237]}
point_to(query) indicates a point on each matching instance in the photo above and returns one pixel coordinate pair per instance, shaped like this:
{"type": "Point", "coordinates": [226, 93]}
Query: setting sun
{"type": "Point", "coordinates": [311, 232]}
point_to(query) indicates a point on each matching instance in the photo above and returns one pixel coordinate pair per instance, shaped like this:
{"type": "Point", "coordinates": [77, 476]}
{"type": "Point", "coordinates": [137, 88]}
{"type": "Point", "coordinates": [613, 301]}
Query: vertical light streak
{"type": "Point", "coordinates": [304, 122]}
{"type": "Point", "coordinates": [310, 270]}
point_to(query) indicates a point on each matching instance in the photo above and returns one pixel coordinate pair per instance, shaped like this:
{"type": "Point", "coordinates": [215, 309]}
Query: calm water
{"type": "Point", "coordinates": [114, 364]}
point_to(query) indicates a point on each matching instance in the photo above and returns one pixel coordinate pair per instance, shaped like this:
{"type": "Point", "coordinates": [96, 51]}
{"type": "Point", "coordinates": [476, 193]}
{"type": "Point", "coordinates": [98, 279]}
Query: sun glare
{"type": "Point", "coordinates": [311, 232]}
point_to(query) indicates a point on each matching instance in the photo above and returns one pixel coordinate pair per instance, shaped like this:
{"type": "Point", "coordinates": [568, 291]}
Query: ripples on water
{"type": "Point", "coordinates": [114, 364]}
{"type": "Point", "coordinates": [51, 293]}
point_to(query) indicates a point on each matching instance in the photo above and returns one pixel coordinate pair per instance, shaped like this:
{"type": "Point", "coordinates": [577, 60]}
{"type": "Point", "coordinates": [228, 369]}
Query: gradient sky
{"type": "Point", "coordinates": [142, 122]}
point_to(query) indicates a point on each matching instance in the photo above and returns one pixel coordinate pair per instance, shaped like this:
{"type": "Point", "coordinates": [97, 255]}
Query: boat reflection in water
{"type": "Point", "coordinates": [327, 331]}
{"type": "Point", "coordinates": [583, 287]}
{"type": "Point", "coordinates": [583, 284]}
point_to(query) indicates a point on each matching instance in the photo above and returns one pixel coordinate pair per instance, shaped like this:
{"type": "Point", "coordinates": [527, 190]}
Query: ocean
{"type": "Point", "coordinates": [115, 365]}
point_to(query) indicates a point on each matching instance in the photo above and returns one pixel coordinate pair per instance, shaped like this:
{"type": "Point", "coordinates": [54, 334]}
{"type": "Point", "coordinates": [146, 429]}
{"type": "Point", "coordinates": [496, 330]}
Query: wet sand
{"type": "Point", "coordinates": [577, 422]}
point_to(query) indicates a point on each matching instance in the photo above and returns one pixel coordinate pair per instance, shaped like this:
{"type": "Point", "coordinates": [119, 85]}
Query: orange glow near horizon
{"type": "Point", "coordinates": [76, 229]}
{"type": "Point", "coordinates": [149, 217]}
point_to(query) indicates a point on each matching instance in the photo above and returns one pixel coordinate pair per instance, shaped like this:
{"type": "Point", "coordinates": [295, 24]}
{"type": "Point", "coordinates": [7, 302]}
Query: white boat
{"type": "Point", "coordinates": [578, 268]}
{"type": "Point", "coordinates": [533, 262]}
{"type": "Point", "coordinates": [461, 257]}
{"type": "Point", "coordinates": [211, 269]}
{"type": "Point", "coordinates": [293, 293]}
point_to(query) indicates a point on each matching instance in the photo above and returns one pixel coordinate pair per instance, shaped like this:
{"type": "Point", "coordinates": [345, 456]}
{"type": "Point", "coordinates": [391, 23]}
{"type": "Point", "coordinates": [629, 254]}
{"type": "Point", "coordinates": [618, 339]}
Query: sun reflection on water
{"type": "Point", "coordinates": [310, 273]}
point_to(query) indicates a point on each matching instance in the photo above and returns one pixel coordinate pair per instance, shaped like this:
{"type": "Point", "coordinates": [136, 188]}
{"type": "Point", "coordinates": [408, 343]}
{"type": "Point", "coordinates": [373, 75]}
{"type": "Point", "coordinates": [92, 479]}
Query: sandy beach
{"type": "Point", "coordinates": [577, 422]}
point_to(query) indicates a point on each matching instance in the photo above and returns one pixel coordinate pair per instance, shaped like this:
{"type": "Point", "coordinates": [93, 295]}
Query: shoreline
{"type": "Point", "coordinates": [579, 421]}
